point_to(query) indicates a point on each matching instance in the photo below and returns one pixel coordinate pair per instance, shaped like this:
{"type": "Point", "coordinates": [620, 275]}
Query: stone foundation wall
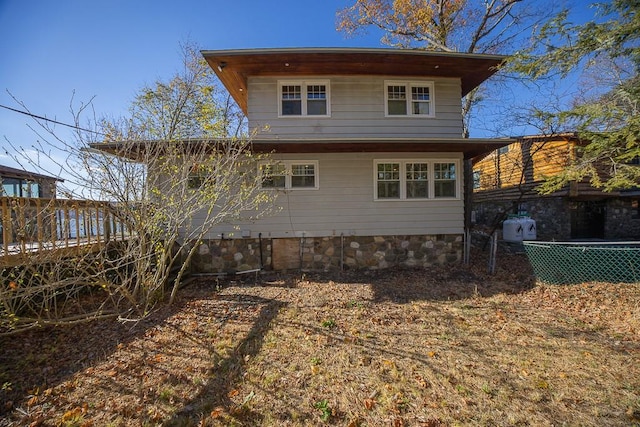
{"type": "Point", "coordinates": [231, 255]}
{"type": "Point", "coordinates": [552, 216]}
{"type": "Point", "coordinates": [623, 220]}
{"type": "Point", "coordinates": [330, 253]}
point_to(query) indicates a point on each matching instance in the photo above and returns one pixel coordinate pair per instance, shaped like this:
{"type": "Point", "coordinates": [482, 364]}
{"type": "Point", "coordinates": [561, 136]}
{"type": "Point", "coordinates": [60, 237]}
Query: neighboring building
{"type": "Point", "coordinates": [20, 183]}
{"type": "Point", "coordinates": [505, 181]}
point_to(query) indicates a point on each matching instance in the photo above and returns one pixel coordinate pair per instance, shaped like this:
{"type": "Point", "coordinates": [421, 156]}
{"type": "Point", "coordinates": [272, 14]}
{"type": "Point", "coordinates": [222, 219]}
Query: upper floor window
{"type": "Point", "coordinates": [304, 98]}
{"type": "Point", "coordinates": [415, 179]}
{"type": "Point", "coordinates": [409, 99]}
{"type": "Point", "coordinates": [290, 174]}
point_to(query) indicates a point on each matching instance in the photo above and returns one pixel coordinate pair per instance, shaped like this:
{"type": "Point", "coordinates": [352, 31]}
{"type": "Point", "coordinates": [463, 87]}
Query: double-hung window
{"type": "Point", "coordinates": [417, 183]}
{"type": "Point", "coordinates": [199, 176]}
{"type": "Point", "coordinates": [388, 180]}
{"type": "Point", "coordinates": [414, 99]}
{"type": "Point", "coordinates": [444, 179]}
{"type": "Point", "coordinates": [415, 179]}
{"type": "Point", "coordinates": [290, 174]}
{"type": "Point", "coordinates": [304, 98]}
{"type": "Point", "coordinates": [273, 176]}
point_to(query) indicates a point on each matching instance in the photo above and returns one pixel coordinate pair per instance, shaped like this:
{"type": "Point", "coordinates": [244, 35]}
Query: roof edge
{"type": "Point", "coordinates": [374, 50]}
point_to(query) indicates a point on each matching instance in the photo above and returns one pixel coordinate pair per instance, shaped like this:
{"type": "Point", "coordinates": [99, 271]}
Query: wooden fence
{"type": "Point", "coordinates": [31, 226]}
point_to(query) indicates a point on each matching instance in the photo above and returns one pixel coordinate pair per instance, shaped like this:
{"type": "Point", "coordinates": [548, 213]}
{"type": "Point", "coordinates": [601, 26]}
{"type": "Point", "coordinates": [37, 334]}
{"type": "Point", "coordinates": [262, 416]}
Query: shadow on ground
{"type": "Point", "coordinates": [37, 359]}
{"type": "Point", "coordinates": [513, 275]}
{"type": "Point", "coordinates": [228, 371]}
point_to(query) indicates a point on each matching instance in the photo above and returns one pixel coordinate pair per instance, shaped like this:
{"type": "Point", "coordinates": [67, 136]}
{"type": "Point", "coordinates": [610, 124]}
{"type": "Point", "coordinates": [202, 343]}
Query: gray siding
{"type": "Point", "coordinates": [344, 204]}
{"type": "Point", "coordinates": [357, 110]}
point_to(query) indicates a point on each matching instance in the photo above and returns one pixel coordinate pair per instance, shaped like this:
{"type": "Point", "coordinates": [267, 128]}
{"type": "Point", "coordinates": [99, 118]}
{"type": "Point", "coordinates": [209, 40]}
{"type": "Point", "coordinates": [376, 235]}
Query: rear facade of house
{"type": "Point", "coordinates": [369, 152]}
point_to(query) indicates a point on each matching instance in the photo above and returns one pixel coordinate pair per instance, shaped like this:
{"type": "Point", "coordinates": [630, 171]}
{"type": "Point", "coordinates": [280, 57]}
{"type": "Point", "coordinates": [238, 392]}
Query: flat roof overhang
{"type": "Point", "coordinates": [234, 67]}
{"type": "Point", "coordinates": [9, 172]}
{"type": "Point", "coordinates": [470, 147]}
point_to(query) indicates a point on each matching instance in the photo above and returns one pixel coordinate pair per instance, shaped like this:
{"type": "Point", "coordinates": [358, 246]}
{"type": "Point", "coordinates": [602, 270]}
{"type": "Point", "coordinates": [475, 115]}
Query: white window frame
{"type": "Point", "coordinates": [304, 100]}
{"type": "Point", "coordinates": [408, 85]}
{"type": "Point", "coordinates": [288, 167]}
{"type": "Point", "coordinates": [430, 162]}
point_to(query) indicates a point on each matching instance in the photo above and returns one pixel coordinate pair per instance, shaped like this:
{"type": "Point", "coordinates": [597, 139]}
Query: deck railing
{"type": "Point", "coordinates": [33, 225]}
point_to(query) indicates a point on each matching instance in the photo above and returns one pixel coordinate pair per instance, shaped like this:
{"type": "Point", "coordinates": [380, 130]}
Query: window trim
{"type": "Point", "coordinates": [288, 167]}
{"type": "Point", "coordinates": [408, 85]}
{"type": "Point", "coordinates": [304, 100]}
{"type": "Point", "coordinates": [403, 179]}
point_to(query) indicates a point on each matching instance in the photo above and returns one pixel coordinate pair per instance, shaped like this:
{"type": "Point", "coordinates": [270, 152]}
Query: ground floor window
{"type": "Point", "coordinates": [415, 179]}
{"type": "Point", "coordinates": [290, 174]}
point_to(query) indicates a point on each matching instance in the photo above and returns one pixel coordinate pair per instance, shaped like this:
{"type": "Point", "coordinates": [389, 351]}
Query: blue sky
{"type": "Point", "coordinates": [52, 51]}
{"type": "Point", "coordinates": [108, 49]}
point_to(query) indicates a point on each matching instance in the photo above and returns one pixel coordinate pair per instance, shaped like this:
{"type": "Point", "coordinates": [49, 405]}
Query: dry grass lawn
{"type": "Point", "coordinates": [438, 347]}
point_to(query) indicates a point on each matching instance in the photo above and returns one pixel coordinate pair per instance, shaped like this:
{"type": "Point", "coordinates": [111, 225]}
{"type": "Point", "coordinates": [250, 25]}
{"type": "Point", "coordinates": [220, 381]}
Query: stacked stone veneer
{"type": "Point", "coordinates": [330, 253]}
{"type": "Point", "coordinates": [553, 217]}
{"type": "Point", "coordinates": [623, 219]}
{"type": "Point", "coordinates": [231, 255]}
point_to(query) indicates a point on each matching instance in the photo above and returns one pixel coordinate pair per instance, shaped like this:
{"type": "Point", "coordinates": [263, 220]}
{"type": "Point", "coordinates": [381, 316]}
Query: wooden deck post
{"type": "Point", "coordinates": [6, 225]}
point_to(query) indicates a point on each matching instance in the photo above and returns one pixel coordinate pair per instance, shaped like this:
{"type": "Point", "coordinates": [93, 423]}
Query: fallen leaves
{"type": "Point", "coordinates": [433, 350]}
{"type": "Point", "coordinates": [369, 404]}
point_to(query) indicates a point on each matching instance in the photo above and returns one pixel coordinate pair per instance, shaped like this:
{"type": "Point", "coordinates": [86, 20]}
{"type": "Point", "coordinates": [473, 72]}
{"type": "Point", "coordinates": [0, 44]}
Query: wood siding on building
{"type": "Point", "coordinates": [357, 111]}
{"type": "Point", "coordinates": [344, 204]}
{"type": "Point", "coordinates": [523, 164]}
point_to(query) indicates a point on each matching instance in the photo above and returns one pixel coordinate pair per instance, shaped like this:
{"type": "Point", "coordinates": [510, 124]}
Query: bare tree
{"type": "Point", "coordinates": [157, 183]}
{"type": "Point", "coordinates": [469, 26]}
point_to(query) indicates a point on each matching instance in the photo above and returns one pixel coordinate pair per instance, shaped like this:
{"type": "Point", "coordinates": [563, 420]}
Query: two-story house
{"type": "Point", "coordinates": [370, 151]}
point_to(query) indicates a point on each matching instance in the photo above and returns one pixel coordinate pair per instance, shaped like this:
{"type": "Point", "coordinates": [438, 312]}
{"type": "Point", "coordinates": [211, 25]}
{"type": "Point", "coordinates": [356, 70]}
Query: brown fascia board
{"type": "Point", "coordinates": [9, 172]}
{"type": "Point", "coordinates": [470, 147]}
{"type": "Point", "coordinates": [234, 67]}
{"type": "Point", "coordinates": [567, 136]}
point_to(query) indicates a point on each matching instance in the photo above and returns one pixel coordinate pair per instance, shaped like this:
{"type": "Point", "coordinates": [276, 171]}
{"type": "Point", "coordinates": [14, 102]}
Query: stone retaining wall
{"type": "Point", "coordinates": [330, 253]}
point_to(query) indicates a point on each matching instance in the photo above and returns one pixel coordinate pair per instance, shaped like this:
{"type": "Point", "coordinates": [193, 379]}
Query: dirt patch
{"type": "Point", "coordinates": [443, 346]}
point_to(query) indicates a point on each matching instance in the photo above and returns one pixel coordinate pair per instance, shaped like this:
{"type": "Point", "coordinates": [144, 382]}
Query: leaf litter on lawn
{"type": "Point", "coordinates": [434, 347]}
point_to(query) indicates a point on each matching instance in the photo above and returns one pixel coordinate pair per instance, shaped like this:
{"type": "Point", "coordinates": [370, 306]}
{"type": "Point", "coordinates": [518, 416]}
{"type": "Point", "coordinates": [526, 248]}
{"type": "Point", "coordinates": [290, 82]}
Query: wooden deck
{"type": "Point", "coordinates": [38, 229]}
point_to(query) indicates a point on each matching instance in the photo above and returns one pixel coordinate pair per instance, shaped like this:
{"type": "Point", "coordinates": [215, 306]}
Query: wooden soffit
{"type": "Point", "coordinates": [233, 67]}
{"type": "Point", "coordinates": [470, 147]}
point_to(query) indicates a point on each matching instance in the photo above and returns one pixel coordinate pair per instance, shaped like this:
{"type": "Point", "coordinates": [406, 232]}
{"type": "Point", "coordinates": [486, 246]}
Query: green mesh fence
{"type": "Point", "coordinates": [566, 263]}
